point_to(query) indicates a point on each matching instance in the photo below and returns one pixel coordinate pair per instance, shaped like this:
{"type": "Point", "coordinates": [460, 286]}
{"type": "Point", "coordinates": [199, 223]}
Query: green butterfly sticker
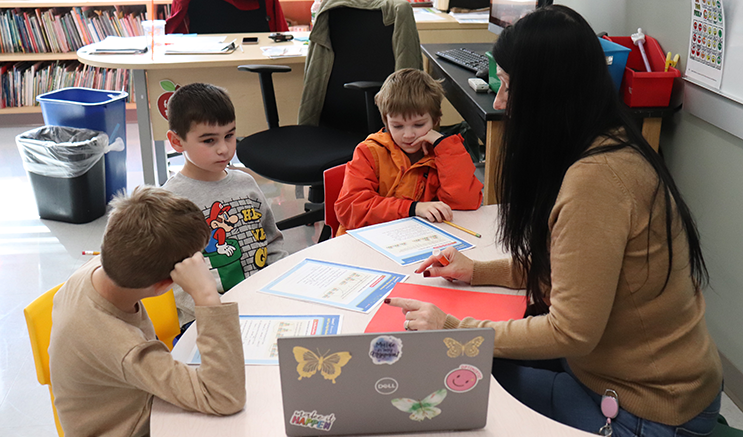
{"type": "Point", "coordinates": [423, 409]}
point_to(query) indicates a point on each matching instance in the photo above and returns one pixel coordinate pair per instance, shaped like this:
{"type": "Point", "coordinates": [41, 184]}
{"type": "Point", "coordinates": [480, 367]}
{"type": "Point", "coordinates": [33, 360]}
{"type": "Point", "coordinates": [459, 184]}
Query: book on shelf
{"type": "Point", "coordinates": [21, 82]}
{"type": "Point", "coordinates": [56, 30]}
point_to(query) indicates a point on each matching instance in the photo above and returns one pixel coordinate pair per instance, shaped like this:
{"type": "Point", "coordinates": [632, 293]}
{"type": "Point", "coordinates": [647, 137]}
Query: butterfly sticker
{"type": "Point", "coordinates": [424, 409]}
{"type": "Point", "coordinates": [329, 365]}
{"type": "Point", "coordinates": [456, 348]}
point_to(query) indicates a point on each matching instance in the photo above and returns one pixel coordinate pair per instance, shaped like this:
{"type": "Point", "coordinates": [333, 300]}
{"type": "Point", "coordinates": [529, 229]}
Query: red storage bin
{"type": "Point", "coordinates": [640, 88]}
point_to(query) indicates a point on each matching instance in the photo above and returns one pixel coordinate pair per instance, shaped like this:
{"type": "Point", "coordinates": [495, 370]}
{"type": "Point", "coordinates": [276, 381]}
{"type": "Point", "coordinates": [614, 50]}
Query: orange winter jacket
{"type": "Point", "coordinates": [381, 185]}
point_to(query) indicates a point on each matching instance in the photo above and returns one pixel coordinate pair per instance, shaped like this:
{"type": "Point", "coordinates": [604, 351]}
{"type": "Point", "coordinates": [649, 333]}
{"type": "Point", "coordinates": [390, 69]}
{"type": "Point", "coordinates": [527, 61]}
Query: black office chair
{"type": "Point", "coordinates": [299, 154]}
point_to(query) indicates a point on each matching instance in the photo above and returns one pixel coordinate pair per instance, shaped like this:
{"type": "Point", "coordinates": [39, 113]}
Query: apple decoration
{"type": "Point", "coordinates": [162, 102]}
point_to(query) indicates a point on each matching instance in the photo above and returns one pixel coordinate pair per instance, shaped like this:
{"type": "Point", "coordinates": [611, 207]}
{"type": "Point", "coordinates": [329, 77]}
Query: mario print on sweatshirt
{"type": "Point", "coordinates": [237, 245]}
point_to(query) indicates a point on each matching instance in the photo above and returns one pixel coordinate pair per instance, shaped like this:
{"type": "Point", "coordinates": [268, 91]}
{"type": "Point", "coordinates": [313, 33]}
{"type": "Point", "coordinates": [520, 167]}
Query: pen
{"type": "Point", "coordinates": [440, 257]}
{"type": "Point", "coordinates": [463, 229]}
{"type": "Point", "coordinates": [90, 252]}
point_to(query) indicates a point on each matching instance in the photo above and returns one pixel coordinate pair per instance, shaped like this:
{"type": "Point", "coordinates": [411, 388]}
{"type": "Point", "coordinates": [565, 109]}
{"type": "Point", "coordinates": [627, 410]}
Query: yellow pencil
{"type": "Point", "coordinates": [463, 229]}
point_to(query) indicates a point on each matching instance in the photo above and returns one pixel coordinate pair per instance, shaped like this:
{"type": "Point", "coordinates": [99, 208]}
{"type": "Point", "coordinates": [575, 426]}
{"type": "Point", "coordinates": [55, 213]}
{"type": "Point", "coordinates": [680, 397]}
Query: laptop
{"type": "Point", "coordinates": [395, 382]}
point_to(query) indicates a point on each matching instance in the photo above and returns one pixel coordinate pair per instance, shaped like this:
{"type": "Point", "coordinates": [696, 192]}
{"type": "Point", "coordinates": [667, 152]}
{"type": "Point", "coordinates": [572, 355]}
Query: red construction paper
{"type": "Point", "coordinates": [459, 303]}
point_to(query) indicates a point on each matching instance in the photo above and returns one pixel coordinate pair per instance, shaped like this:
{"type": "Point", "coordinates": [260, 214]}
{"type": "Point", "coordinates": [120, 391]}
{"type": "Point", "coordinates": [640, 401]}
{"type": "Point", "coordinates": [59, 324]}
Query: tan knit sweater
{"type": "Point", "coordinates": [106, 365]}
{"type": "Point", "coordinates": [608, 316]}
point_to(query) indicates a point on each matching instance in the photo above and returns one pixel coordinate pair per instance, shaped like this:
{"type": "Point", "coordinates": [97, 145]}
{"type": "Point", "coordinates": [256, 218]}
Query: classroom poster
{"type": "Point", "coordinates": [706, 57]}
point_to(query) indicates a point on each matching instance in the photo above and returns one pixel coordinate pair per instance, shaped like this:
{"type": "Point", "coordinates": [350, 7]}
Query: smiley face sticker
{"type": "Point", "coordinates": [463, 379]}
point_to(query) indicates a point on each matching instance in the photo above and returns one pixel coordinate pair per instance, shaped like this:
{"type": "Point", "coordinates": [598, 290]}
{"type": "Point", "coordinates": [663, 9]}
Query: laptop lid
{"type": "Point", "coordinates": [378, 383]}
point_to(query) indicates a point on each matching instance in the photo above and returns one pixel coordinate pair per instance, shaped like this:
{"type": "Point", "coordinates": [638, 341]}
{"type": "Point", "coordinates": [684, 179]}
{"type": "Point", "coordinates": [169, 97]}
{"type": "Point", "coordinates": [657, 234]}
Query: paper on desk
{"type": "Point", "coordinates": [199, 46]}
{"type": "Point", "coordinates": [117, 45]}
{"type": "Point", "coordinates": [259, 334]}
{"type": "Point", "coordinates": [285, 51]}
{"type": "Point", "coordinates": [471, 17]}
{"type": "Point", "coordinates": [407, 241]}
{"type": "Point", "coordinates": [426, 15]}
{"type": "Point", "coordinates": [339, 285]}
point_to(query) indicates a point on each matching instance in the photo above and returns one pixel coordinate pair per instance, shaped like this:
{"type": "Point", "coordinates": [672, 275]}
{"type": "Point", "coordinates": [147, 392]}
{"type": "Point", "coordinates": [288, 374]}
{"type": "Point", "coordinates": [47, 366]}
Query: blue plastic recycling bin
{"type": "Point", "coordinates": [99, 110]}
{"type": "Point", "coordinates": [616, 59]}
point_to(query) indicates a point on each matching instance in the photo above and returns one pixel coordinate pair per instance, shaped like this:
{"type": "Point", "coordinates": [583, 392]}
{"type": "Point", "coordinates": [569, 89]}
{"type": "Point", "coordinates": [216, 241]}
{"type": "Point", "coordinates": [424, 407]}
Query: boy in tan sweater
{"type": "Point", "coordinates": [105, 362]}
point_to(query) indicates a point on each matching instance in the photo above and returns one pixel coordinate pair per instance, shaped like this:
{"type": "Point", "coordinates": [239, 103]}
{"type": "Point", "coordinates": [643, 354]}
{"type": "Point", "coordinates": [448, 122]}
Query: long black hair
{"type": "Point", "coordinates": [561, 98]}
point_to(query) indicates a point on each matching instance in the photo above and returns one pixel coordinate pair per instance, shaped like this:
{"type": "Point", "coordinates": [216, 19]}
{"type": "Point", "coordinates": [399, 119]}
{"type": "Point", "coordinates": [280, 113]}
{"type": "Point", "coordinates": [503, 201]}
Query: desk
{"type": "Point", "coordinates": [263, 410]}
{"type": "Point", "coordinates": [244, 88]}
{"type": "Point", "coordinates": [150, 71]}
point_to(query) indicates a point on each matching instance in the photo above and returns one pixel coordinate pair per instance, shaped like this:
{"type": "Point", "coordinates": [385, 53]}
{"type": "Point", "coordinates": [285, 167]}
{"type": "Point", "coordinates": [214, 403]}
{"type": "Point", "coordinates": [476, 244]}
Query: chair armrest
{"type": "Point", "coordinates": [267, 90]}
{"type": "Point", "coordinates": [256, 68]}
{"type": "Point", "coordinates": [362, 85]}
{"type": "Point", "coordinates": [370, 89]}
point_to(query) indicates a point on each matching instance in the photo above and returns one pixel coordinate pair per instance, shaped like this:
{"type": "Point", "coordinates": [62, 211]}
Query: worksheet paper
{"type": "Point", "coordinates": [338, 285]}
{"type": "Point", "coordinates": [259, 334]}
{"type": "Point", "coordinates": [409, 240]}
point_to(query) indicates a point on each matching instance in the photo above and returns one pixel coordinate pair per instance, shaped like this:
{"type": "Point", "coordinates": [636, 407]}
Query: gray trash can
{"type": "Point", "coordinates": [67, 171]}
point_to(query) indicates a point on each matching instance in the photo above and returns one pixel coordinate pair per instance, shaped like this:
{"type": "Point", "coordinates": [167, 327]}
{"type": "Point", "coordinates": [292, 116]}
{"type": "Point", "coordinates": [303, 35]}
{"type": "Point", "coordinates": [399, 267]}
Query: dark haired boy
{"type": "Point", "coordinates": [105, 362]}
{"type": "Point", "coordinates": [244, 237]}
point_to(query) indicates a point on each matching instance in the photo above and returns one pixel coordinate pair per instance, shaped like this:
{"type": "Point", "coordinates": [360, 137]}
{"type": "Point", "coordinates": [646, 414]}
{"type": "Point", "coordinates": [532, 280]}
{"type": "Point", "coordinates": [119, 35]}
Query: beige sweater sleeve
{"type": "Point", "coordinates": [500, 272]}
{"type": "Point", "coordinates": [217, 386]}
{"type": "Point", "coordinates": [590, 225]}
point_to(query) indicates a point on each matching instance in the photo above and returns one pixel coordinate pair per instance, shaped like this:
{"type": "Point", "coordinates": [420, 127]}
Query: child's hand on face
{"type": "Point", "coordinates": [427, 140]}
{"type": "Point", "coordinates": [435, 212]}
{"type": "Point", "coordinates": [194, 277]}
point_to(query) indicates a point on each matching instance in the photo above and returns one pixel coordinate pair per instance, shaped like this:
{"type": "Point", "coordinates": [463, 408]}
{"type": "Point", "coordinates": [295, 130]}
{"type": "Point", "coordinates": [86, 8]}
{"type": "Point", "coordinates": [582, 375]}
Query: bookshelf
{"type": "Point", "coordinates": [40, 20]}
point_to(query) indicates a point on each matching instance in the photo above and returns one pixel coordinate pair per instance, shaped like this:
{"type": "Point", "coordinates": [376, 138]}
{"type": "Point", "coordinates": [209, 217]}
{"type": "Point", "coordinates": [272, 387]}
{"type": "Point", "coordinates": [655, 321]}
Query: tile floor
{"type": "Point", "coordinates": [36, 255]}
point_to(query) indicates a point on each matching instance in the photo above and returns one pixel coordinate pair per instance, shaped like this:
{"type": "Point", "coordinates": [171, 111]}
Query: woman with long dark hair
{"type": "Point", "coordinates": [601, 240]}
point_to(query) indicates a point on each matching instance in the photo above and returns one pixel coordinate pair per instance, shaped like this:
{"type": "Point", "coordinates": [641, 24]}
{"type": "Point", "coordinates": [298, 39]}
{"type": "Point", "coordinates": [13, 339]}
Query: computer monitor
{"type": "Point", "coordinates": [503, 13]}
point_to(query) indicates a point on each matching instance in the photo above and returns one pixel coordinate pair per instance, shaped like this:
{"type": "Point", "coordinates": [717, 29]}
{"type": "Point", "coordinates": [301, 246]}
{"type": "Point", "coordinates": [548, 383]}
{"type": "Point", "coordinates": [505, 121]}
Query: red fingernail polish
{"type": "Point", "coordinates": [426, 274]}
{"type": "Point", "coordinates": [388, 300]}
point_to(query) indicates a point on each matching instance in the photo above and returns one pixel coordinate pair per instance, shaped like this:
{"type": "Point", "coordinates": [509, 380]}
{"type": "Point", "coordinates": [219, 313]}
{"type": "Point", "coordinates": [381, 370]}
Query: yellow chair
{"type": "Point", "coordinates": [39, 321]}
{"type": "Point", "coordinates": [161, 309]}
{"type": "Point", "coordinates": [164, 316]}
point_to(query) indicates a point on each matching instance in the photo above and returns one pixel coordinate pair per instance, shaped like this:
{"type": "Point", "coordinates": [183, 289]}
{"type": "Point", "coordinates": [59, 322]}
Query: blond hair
{"type": "Point", "coordinates": [410, 92]}
{"type": "Point", "coordinates": [149, 232]}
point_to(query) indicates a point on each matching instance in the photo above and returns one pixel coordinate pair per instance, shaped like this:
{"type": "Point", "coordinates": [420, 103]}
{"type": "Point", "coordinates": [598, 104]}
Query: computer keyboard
{"type": "Point", "coordinates": [465, 58]}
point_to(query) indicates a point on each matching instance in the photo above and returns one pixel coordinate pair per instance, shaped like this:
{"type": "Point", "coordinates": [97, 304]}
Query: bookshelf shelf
{"type": "Point", "coordinates": [20, 57]}
{"type": "Point", "coordinates": [44, 32]}
{"type": "Point", "coordinates": [37, 109]}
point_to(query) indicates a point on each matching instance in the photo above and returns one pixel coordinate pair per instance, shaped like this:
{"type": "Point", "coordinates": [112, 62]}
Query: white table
{"type": "Point", "coordinates": [263, 413]}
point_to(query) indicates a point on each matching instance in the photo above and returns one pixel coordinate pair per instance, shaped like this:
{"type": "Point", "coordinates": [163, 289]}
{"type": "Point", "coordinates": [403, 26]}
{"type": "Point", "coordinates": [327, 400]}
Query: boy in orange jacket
{"type": "Point", "coordinates": [407, 169]}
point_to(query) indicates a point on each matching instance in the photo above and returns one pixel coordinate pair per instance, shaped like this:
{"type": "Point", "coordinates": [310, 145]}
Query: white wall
{"type": "Point", "coordinates": [603, 15]}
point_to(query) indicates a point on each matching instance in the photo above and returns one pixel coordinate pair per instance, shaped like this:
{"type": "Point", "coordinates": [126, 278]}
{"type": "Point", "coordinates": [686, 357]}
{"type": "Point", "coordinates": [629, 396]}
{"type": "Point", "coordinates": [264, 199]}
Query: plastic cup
{"type": "Point", "coordinates": [154, 30]}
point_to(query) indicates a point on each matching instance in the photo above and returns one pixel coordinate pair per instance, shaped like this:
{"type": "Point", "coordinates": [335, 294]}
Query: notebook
{"type": "Point", "coordinates": [386, 382]}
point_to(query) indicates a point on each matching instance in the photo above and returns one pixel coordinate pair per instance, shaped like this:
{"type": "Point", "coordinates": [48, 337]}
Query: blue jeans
{"type": "Point", "coordinates": [549, 388]}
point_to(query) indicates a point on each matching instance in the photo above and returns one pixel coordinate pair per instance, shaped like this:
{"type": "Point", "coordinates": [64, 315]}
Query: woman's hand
{"type": "Point", "coordinates": [419, 316]}
{"type": "Point", "coordinates": [459, 268]}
